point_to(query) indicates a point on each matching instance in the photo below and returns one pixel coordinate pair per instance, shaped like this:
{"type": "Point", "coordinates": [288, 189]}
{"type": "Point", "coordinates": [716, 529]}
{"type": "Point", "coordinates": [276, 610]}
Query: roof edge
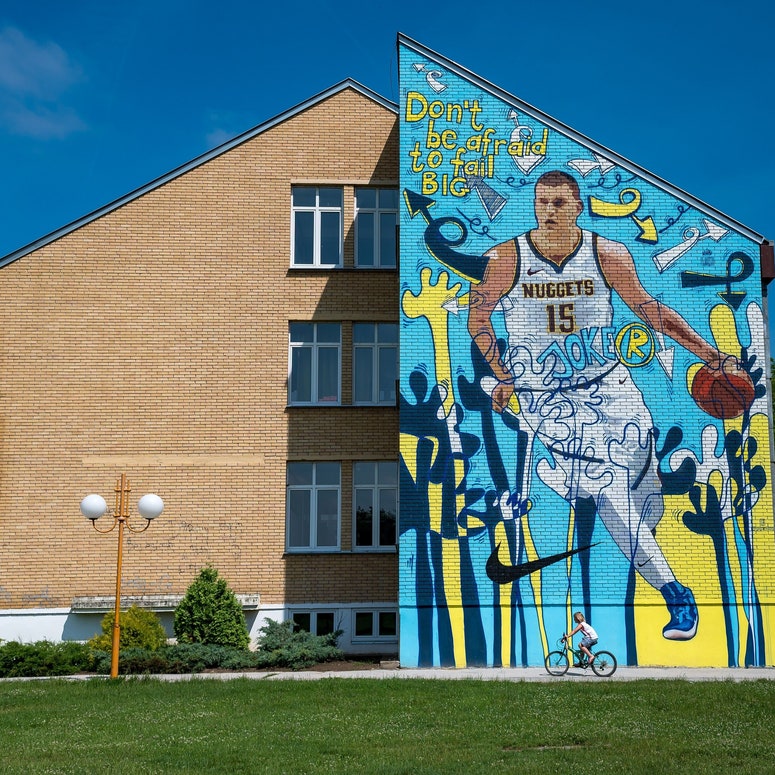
{"type": "Point", "coordinates": [539, 115]}
{"type": "Point", "coordinates": [347, 83]}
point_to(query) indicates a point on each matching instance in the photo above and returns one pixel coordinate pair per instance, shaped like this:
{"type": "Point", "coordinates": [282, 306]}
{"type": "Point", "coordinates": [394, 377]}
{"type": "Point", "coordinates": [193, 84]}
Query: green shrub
{"type": "Point", "coordinates": [140, 628]}
{"type": "Point", "coordinates": [178, 658]}
{"type": "Point", "coordinates": [140, 661]}
{"type": "Point", "coordinates": [43, 658]}
{"type": "Point", "coordinates": [281, 644]}
{"type": "Point", "coordinates": [195, 657]}
{"type": "Point", "coordinates": [210, 613]}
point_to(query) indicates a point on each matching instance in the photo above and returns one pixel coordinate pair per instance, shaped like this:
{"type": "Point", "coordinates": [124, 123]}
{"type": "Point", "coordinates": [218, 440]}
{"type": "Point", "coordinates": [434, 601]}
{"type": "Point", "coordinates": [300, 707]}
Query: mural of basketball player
{"type": "Point", "coordinates": [562, 374]}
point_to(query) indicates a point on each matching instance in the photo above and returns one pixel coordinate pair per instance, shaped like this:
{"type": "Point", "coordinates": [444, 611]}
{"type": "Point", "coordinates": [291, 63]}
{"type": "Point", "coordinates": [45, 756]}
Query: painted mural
{"type": "Point", "coordinates": [584, 409]}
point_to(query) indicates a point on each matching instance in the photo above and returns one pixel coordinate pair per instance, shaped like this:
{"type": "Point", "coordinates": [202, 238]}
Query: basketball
{"type": "Point", "coordinates": [723, 392]}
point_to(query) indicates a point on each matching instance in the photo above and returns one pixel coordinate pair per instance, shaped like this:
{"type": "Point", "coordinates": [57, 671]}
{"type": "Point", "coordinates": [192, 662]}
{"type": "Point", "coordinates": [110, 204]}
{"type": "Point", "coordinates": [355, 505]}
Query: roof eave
{"type": "Point", "coordinates": [348, 83]}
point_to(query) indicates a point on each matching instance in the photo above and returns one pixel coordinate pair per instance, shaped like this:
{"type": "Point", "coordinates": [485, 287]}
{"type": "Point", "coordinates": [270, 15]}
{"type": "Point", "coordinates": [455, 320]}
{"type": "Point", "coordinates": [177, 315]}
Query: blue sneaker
{"type": "Point", "coordinates": [683, 612]}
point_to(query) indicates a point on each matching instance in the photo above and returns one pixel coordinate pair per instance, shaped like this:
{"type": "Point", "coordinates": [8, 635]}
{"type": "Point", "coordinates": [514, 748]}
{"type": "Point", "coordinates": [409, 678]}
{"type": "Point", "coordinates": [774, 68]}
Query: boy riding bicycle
{"type": "Point", "coordinates": [589, 638]}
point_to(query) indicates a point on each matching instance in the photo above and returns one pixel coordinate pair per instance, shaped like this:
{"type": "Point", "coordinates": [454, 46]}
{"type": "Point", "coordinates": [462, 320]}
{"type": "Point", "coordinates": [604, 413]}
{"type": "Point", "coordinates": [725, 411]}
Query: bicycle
{"type": "Point", "coordinates": [557, 662]}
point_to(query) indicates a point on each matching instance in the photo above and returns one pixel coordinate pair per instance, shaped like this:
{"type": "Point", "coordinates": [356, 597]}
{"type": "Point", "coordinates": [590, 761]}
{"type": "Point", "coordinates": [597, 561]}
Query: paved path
{"type": "Point", "coordinates": [515, 674]}
{"type": "Point", "coordinates": [505, 674]}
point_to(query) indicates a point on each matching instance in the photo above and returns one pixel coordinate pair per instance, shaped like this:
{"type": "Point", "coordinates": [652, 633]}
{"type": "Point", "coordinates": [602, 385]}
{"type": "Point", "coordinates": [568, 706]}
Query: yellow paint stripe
{"type": "Point", "coordinates": [408, 447]}
{"type": "Point", "coordinates": [737, 584]}
{"type": "Point", "coordinates": [722, 324]}
{"type": "Point", "coordinates": [535, 583]}
{"type": "Point", "coordinates": [764, 545]}
{"type": "Point", "coordinates": [434, 506]}
{"type": "Point", "coordinates": [569, 566]}
{"type": "Point", "coordinates": [504, 600]}
{"type": "Point", "coordinates": [450, 560]}
{"type": "Point", "coordinates": [460, 498]}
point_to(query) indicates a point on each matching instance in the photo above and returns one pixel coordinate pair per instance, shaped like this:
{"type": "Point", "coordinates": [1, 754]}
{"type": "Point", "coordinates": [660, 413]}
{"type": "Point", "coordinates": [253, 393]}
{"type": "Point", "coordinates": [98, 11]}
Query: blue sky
{"type": "Point", "coordinates": [97, 99]}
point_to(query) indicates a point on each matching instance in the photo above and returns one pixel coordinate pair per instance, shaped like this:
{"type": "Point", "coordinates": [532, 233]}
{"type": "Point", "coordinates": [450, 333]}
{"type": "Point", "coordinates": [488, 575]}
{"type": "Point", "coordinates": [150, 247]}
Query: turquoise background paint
{"type": "Point", "coordinates": [669, 401]}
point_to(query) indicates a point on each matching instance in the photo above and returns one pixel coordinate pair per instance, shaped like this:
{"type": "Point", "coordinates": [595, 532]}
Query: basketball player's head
{"type": "Point", "coordinates": [557, 201]}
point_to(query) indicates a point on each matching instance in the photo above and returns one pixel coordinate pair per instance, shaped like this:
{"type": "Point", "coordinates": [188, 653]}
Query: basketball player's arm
{"type": "Point", "coordinates": [482, 301]}
{"type": "Point", "coordinates": [619, 270]}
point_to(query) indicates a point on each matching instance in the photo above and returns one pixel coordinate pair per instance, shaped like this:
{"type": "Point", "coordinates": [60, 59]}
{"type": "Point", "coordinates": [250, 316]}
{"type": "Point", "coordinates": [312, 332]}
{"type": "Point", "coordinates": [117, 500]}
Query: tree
{"type": "Point", "coordinates": [210, 613]}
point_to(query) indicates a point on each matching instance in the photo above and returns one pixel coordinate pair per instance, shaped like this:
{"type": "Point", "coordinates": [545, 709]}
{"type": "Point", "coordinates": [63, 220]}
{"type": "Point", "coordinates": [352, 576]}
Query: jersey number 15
{"type": "Point", "coordinates": [561, 318]}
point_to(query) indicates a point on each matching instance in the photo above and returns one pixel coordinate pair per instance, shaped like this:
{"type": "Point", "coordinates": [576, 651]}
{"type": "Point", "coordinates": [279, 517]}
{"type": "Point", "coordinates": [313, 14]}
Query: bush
{"type": "Point", "coordinates": [133, 661]}
{"type": "Point", "coordinates": [210, 613]}
{"type": "Point", "coordinates": [43, 658]}
{"type": "Point", "coordinates": [195, 657]}
{"type": "Point", "coordinates": [281, 644]}
{"type": "Point", "coordinates": [140, 628]}
{"type": "Point", "coordinates": [178, 658]}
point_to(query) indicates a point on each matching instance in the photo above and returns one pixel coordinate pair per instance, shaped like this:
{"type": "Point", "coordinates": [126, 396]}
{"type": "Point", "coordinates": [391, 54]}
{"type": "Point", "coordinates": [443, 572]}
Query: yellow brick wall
{"type": "Point", "coordinates": [154, 340]}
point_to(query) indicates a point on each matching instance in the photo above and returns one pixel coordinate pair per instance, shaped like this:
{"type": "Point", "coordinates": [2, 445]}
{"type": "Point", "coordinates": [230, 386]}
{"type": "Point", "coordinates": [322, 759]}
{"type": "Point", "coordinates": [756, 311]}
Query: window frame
{"type": "Point", "coordinates": [315, 347]}
{"type": "Point", "coordinates": [375, 346]}
{"type": "Point", "coordinates": [376, 488]}
{"type": "Point", "coordinates": [314, 489]}
{"type": "Point", "coordinates": [313, 614]}
{"type": "Point", "coordinates": [377, 211]}
{"type": "Point", "coordinates": [317, 210]}
{"type": "Point", "coordinates": [375, 636]}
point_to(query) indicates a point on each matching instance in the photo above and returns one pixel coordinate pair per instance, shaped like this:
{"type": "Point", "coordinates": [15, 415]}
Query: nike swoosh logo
{"type": "Point", "coordinates": [641, 564]}
{"type": "Point", "coordinates": [531, 272]}
{"type": "Point", "coordinates": [503, 574]}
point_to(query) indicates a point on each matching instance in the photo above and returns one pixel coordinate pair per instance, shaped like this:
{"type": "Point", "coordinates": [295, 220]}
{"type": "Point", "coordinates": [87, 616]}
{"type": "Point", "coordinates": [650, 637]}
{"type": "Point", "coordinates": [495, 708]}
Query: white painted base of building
{"type": "Point", "coordinates": [82, 621]}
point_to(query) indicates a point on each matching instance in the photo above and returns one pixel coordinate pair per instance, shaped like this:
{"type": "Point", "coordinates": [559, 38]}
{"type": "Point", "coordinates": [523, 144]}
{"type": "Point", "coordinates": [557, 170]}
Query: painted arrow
{"type": "Point", "coordinates": [470, 267]}
{"type": "Point", "coordinates": [691, 237]}
{"type": "Point", "coordinates": [733, 298]}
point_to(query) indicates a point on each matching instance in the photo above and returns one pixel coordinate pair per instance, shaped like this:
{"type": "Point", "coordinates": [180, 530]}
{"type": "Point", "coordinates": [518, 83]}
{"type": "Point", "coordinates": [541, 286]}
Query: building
{"type": "Point", "coordinates": [228, 337]}
{"type": "Point", "coordinates": [152, 338]}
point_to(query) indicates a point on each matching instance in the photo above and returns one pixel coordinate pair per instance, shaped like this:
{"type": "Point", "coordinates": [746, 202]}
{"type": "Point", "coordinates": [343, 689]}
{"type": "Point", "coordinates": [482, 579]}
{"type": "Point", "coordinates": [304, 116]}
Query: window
{"type": "Point", "coordinates": [316, 622]}
{"type": "Point", "coordinates": [314, 363]}
{"type": "Point", "coordinates": [375, 363]}
{"type": "Point", "coordinates": [375, 501]}
{"type": "Point", "coordinates": [376, 216]}
{"type": "Point", "coordinates": [317, 226]}
{"type": "Point", "coordinates": [312, 503]}
{"type": "Point", "coordinates": [375, 625]}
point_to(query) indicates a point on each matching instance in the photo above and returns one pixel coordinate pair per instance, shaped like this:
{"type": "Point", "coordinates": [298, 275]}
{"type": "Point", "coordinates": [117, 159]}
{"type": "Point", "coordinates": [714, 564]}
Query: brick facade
{"type": "Point", "coordinates": [154, 340]}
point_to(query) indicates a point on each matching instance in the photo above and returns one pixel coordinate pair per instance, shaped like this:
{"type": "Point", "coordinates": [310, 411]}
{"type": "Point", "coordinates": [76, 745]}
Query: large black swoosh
{"type": "Point", "coordinates": [503, 574]}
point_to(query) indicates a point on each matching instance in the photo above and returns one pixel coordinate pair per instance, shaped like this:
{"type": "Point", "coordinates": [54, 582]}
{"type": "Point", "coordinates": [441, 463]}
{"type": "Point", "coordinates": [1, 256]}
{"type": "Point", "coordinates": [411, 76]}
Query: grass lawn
{"type": "Point", "coordinates": [386, 726]}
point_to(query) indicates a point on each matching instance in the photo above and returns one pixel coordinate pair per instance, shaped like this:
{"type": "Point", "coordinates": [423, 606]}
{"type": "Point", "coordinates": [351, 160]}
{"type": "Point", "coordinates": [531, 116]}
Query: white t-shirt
{"type": "Point", "coordinates": [588, 631]}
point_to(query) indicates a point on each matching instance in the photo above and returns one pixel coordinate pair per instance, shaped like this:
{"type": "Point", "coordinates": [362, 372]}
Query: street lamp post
{"type": "Point", "coordinates": [93, 507]}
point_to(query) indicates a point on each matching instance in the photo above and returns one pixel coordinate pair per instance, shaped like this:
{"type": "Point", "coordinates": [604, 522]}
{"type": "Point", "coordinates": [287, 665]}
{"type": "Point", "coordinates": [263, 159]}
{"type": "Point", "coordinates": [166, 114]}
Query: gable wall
{"type": "Point", "coordinates": [154, 340]}
{"type": "Point", "coordinates": [557, 454]}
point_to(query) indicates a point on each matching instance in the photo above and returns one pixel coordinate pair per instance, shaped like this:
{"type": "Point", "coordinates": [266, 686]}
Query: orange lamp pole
{"type": "Point", "coordinates": [121, 515]}
{"type": "Point", "coordinates": [93, 507]}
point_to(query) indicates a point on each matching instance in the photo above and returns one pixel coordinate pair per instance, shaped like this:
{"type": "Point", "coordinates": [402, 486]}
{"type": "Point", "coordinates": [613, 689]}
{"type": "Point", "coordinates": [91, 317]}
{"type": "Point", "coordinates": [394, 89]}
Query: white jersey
{"type": "Point", "coordinates": [558, 318]}
{"type": "Point", "coordinates": [575, 393]}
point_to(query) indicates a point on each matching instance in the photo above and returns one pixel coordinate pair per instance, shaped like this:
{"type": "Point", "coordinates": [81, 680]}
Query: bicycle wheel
{"type": "Point", "coordinates": [556, 663]}
{"type": "Point", "coordinates": [604, 664]}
